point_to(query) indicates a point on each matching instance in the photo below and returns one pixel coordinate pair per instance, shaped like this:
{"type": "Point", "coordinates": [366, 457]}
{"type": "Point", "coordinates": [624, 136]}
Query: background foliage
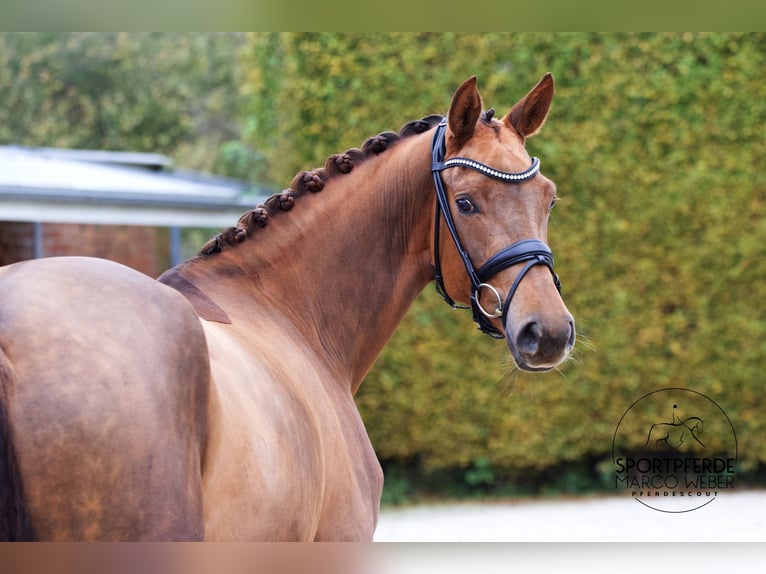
{"type": "Point", "coordinates": [655, 142]}
{"type": "Point", "coordinates": [176, 94]}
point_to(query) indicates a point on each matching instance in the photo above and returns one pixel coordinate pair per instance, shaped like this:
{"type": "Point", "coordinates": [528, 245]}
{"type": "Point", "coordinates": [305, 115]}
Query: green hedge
{"type": "Point", "coordinates": [656, 144]}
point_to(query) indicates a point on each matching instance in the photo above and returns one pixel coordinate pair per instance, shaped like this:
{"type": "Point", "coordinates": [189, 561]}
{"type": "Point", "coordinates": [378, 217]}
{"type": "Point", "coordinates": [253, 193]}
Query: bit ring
{"type": "Point", "coordinates": [498, 310]}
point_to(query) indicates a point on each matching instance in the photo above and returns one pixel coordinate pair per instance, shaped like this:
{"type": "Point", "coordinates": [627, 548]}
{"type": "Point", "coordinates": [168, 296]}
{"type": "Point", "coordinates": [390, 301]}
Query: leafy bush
{"type": "Point", "coordinates": [655, 142]}
{"type": "Point", "coordinates": [176, 94]}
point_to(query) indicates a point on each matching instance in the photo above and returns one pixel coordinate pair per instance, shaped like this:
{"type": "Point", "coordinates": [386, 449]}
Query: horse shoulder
{"type": "Point", "coordinates": [355, 478]}
{"type": "Point", "coordinates": [262, 477]}
{"type": "Point", "coordinates": [290, 449]}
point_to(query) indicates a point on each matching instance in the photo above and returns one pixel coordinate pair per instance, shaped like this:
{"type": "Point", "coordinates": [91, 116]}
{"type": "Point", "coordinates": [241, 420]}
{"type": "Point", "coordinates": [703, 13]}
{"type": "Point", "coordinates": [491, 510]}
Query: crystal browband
{"type": "Point", "coordinates": [490, 171]}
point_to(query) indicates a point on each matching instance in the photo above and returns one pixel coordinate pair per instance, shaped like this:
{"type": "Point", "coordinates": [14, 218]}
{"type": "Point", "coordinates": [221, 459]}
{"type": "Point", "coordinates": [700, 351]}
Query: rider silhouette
{"type": "Point", "coordinates": [674, 434]}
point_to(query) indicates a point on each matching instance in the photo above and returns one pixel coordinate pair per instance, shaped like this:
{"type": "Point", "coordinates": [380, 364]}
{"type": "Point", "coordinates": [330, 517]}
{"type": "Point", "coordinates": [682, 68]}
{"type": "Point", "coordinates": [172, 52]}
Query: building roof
{"type": "Point", "coordinates": [115, 188]}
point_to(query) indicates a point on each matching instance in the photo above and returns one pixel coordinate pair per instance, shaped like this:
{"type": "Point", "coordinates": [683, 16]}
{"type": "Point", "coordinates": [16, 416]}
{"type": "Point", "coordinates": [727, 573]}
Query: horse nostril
{"type": "Point", "coordinates": [572, 336]}
{"type": "Point", "coordinates": [528, 339]}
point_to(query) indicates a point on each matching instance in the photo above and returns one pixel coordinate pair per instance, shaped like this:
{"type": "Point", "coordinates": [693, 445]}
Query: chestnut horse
{"type": "Point", "coordinates": [217, 402]}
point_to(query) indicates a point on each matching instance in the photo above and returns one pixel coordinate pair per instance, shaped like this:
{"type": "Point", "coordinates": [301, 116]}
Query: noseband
{"type": "Point", "coordinates": [530, 251]}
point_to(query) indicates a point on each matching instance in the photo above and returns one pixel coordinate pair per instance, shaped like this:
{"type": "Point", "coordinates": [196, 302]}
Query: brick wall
{"type": "Point", "coordinates": [143, 248]}
{"type": "Point", "coordinates": [17, 242]}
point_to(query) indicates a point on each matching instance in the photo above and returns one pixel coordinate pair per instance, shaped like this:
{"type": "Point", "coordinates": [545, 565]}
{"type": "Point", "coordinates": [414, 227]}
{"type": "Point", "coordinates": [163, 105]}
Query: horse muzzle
{"type": "Point", "coordinates": [540, 343]}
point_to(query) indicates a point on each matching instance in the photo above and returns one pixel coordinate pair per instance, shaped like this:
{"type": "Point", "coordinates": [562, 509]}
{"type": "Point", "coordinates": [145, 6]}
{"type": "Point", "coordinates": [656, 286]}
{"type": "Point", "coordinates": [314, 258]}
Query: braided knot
{"type": "Point", "coordinates": [312, 182]}
{"type": "Point", "coordinates": [260, 217]}
{"type": "Point", "coordinates": [286, 200]}
{"type": "Point", "coordinates": [378, 144]}
{"type": "Point", "coordinates": [231, 235]}
{"type": "Point", "coordinates": [344, 163]}
{"type": "Point", "coordinates": [214, 245]}
{"type": "Point", "coordinates": [420, 126]}
{"type": "Point", "coordinates": [239, 235]}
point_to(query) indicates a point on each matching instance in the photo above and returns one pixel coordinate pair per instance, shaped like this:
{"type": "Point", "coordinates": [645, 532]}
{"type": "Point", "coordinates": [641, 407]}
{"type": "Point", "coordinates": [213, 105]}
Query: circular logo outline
{"type": "Point", "coordinates": [622, 418]}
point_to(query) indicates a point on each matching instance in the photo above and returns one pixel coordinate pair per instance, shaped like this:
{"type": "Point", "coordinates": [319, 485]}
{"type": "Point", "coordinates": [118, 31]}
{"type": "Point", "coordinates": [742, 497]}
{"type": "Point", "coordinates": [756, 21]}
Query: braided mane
{"type": "Point", "coordinates": [312, 182]}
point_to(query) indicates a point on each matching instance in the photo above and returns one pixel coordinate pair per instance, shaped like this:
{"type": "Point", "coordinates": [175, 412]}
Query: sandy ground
{"type": "Point", "coordinates": [734, 517]}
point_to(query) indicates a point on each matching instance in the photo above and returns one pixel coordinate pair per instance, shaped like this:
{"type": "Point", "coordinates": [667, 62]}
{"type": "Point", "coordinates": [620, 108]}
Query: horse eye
{"type": "Point", "coordinates": [553, 204]}
{"type": "Point", "coordinates": [464, 205]}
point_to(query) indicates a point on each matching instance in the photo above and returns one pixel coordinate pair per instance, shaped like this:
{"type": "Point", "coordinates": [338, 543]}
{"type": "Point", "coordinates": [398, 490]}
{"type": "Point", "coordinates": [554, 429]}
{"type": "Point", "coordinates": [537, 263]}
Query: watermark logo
{"type": "Point", "coordinates": [674, 450]}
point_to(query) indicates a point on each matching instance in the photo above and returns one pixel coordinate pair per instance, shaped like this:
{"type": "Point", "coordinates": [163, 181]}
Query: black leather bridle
{"type": "Point", "coordinates": [530, 251]}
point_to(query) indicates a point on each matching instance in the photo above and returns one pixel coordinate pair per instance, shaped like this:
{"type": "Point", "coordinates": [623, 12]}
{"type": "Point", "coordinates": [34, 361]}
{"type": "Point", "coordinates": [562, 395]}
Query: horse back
{"type": "Point", "coordinates": [105, 388]}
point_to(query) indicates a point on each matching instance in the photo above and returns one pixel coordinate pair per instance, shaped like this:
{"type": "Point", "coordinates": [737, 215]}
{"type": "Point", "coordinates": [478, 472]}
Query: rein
{"type": "Point", "coordinates": [532, 251]}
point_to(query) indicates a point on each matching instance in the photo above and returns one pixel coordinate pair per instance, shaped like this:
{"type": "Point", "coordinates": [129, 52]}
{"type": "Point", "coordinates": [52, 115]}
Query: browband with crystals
{"type": "Point", "coordinates": [490, 171]}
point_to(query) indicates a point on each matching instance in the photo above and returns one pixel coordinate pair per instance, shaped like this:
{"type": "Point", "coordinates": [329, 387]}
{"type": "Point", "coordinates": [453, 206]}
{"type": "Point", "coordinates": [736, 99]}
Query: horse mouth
{"type": "Point", "coordinates": [522, 365]}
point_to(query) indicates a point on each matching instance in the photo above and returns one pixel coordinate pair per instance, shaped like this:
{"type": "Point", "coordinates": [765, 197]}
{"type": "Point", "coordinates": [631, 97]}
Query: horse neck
{"type": "Point", "coordinates": [344, 265]}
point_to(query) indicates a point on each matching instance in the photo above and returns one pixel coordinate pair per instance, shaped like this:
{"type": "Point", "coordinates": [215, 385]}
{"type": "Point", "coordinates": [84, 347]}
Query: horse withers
{"type": "Point", "coordinates": [217, 402]}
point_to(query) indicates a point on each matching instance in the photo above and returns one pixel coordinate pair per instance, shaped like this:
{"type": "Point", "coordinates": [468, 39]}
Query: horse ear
{"type": "Point", "coordinates": [464, 111]}
{"type": "Point", "coordinates": [528, 115]}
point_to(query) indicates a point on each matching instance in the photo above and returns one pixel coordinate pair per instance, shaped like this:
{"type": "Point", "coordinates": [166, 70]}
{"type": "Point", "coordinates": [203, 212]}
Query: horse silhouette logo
{"type": "Point", "coordinates": [677, 435]}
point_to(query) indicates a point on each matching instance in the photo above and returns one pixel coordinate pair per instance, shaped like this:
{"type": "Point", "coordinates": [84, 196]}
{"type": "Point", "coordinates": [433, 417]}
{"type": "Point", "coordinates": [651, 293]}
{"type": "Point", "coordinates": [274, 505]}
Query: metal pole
{"type": "Point", "coordinates": [175, 246]}
{"type": "Point", "coordinates": [39, 237]}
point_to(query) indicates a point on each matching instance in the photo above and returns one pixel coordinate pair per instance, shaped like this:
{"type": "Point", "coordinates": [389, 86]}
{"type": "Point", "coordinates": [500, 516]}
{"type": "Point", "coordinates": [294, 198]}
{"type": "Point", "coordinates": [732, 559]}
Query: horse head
{"type": "Point", "coordinates": [495, 204]}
